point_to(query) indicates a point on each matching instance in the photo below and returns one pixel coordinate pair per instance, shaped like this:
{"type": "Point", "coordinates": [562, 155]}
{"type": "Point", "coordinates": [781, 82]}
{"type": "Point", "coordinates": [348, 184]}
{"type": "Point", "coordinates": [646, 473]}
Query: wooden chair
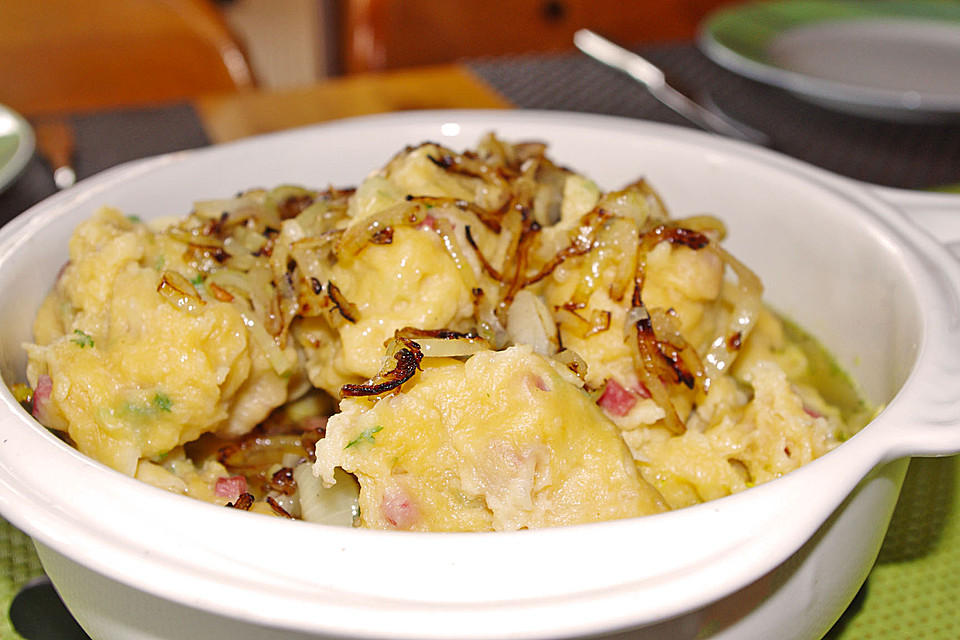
{"type": "Point", "coordinates": [388, 34]}
{"type": "Point", "coordinates": [78, 55]}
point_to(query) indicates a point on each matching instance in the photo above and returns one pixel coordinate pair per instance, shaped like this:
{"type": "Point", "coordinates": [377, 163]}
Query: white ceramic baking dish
{"type": "Point", "coordinates": [781, 560]}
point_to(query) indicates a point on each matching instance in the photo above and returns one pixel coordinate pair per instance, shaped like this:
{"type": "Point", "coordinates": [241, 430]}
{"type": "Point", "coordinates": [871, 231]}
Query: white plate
{"type": "Point", "coordinates": [891, 59]}
{"type": "Point", "coordinates": [16, 145]}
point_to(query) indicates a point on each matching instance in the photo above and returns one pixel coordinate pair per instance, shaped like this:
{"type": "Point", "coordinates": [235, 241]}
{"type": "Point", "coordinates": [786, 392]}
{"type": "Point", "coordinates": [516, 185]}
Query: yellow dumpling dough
{"type": "Point", "coordinates": [506, 440]}
{"type": "Point", "coordinates": [132, 374]}
{"type": "Point", "coordinates": [411, 282]}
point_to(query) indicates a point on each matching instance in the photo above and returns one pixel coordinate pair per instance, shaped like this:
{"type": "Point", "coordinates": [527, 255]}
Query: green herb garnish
{"type": "Point", "coordinates": [82, 339]}
{"type": "Point", "coordinates": [365, 436]}
{"type": "Point", "coordinates": [162, 401]}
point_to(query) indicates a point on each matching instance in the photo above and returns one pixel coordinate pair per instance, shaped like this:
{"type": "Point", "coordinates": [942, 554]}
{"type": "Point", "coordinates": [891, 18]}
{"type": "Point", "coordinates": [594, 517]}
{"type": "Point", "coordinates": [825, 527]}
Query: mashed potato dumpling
{"type": "Point", "coordinates": [411, 282]}
{"type": "Point", "coordinates": [505, 440]}
{"type": "Point", "coordinates": [131, 374]}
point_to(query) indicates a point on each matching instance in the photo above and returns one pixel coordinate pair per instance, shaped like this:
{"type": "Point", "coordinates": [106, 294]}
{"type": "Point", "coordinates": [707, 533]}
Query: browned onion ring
{"type": "Point", "coordinates": [408, 359]}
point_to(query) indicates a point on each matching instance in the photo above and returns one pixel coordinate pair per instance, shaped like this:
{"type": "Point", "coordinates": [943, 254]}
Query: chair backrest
{"type": "Point", "coordinates": [76, 55]}
{"type": "Point", "coordinates": [388, 34]}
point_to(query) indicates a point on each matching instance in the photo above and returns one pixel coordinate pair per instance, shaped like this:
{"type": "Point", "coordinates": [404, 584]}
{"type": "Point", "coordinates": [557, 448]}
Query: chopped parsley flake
{"type": "Point", "coordinates": [162, 401]}
{"type": "Point", "coordinates": [365, 436]}
{"type": "Point", "coordinates": [134, 218]}
{"type": "Point", "coordinates": [82, 339]}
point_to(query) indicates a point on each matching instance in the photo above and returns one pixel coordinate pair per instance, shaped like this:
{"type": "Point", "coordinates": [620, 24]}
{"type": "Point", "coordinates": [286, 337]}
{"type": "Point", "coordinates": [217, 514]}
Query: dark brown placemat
{"type": "Point", "coordinates": [105, 139]}
{"type": "Point", "coordinates": [912, 156]}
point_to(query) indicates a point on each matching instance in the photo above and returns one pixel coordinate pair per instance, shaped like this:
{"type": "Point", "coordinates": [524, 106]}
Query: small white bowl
{"type": "Point", "coordinates": [780, 560]}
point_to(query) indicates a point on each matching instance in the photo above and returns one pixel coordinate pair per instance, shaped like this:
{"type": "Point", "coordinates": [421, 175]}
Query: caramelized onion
{"type": "Point", "coordinates": [469, 166]}
{"type": "Point", "coordinates": [487, 267]}
{"type": "Point", "coordinates": [621, 240]}
{"type": "Point", "coordinates": [282, 482]}
{"type": "Point", "coordinates": [653, 367]}
{"type": "Point", "coordinates": [277, 509]}
{"type": "Point", "coordinates": [360, 235]}
{"type": "Point", "coordinates": [582, 241]}
{"type": "Point", "coordinates": [571, 320]}
{"type": "Point", "coordinates": [517, 277]}
{"type": "Point", "coordinates": [572, 360]}
{"type": "Point", "coordinates": [281, 362]}
{"type": "Point", "coordinates": [656, 210]}
{"type": "Point", "coordinates": [347, 309]}
{"type": "Point", "coordinates": [679, 355]}
{"type": "Point", "coordinates": [244, 502]}
{"type": "Point", "coordinates": [259, 450]}
{"type": "Point", "coordinates": [490, 219]}
{"type": "Point", "coordinates": [489, 325]}
{"type": "Point", "coordinates": [407, 355]}
{"type": "Point", "coordinates": [230, 280]}
{"type": "Point", "coordinates": [179, 292]}
{"type": "Point", "coordinates": [447, 233]}
{"type": "Point", "coordinates": [443, 343]}
{"type": "Point", "coordinates": [529, 322]}
{"type": "Point", "coordinates": [724, 349]}
{"type": "Point", "coordinates": [711, 226]}
{"type": "Point", "coordinates": [675, 235]}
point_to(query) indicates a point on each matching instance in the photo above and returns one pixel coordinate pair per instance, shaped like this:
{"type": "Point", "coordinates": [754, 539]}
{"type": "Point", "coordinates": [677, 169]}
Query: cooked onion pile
{"type": "Point", "coordinates": [206, 356]}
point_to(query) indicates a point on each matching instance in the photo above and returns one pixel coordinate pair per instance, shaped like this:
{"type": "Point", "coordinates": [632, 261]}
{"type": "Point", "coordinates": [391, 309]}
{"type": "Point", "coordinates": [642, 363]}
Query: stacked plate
{"type": "Point", "coordinates": [16, 145]}
{"type": "Point", "coordinates": [890, 59]}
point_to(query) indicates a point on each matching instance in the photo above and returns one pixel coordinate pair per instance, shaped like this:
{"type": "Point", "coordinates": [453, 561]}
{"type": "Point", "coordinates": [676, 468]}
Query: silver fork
{"type": "Point", "coordinates": [650, 76]}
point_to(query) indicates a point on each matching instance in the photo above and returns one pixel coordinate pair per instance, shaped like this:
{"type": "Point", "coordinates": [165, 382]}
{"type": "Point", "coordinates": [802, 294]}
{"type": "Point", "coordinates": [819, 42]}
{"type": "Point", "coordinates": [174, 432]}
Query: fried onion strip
{"type": "Point", "coordinates": [407, 356]}
{"type": "Point", "coordinates": [652, 366]}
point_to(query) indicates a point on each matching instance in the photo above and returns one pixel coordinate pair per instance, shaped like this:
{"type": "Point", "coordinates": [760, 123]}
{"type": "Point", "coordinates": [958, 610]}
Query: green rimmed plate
{"type": "Point", "coordinates": [891, 59]}
{"type": "Point", "coordinates": [16, 145]}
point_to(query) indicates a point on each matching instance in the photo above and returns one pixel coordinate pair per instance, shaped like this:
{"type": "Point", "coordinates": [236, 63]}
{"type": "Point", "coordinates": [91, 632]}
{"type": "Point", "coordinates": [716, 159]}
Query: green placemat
{"type": "Point", "coordinates": [18, 565]}
{"type": "Point", "coordinates": [913, 592]}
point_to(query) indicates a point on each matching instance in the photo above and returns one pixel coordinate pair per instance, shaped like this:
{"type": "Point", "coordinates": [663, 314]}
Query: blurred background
{"type": "Point", "coordinates": [348, 36]}
{"type": "Point", "coordinates": [86, 54]}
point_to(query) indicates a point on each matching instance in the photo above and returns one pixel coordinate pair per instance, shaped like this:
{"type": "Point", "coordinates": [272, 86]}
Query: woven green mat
{"type": "Point", "coordinates": [18, 565]}
{"type": "Point", "coordinates": [913, 592]}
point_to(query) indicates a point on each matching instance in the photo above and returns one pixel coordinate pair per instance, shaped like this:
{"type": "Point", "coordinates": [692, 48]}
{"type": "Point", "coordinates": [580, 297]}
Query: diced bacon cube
{"type": "Point", "coordinates": [230, 487]}
{"type": "Point", "coordinates": [616, 400]}
{"type": "Point", "coordinates": [41, 397]}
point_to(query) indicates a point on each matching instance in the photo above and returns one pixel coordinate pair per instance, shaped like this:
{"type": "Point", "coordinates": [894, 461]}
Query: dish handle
{"type": "Point", "coordinates": [931, 414]}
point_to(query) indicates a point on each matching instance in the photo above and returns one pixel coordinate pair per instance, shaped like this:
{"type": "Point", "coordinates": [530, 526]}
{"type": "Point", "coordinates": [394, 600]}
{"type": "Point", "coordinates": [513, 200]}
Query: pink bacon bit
{"type": "Point", "coordinates": [533, 381]}
{"type": "Point", "coordinates": [398, 508]}
{"type": "Point", "coordinates": [807, 409]}
{"type": "Point", "coordinates": [41, 398]}
{"type": "Point", "coordinates": [619, 401]}
{"type": "Point", "coordinates": [230, 487]}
